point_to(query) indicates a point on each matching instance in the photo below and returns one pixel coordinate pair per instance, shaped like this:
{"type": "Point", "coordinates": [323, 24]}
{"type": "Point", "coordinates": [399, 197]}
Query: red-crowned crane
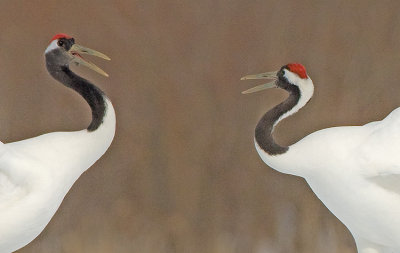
{"type": "Point", "coordinates": [354, 170]}
{"type": "Point", "coordinates": [36, 173]}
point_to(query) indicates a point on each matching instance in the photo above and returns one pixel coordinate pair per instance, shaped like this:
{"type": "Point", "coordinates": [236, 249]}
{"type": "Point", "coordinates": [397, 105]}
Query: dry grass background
{"type": "Point", "coordinates": [182, 174]}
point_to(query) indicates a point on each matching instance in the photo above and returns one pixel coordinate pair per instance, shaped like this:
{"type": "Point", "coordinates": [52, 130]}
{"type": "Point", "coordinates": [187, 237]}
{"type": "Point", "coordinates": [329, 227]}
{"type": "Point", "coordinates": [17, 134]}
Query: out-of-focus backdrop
{"type": "Point", "coordinates": [182, 174]}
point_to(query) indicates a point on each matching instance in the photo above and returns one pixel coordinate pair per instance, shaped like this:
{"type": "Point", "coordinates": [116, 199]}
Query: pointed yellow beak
{"type": "Point", "coordinates": [266, 75]}
{"type": "Point", "coordinates": [76, 52]}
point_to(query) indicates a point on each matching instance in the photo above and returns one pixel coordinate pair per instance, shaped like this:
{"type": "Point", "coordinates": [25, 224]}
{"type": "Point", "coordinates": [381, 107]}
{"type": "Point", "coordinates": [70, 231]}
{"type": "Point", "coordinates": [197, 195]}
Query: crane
{"type": "Point", "coordinates": [37, 173]}
{"type": "Point", "coordinates": [353, 170]}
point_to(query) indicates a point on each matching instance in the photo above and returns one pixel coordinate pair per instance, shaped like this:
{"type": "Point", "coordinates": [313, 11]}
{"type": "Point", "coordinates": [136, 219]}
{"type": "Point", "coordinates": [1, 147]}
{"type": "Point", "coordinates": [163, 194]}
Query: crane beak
{"type": "Point", "coordinates": [266, 75]}
{"type": "Point", "coordinates": [76, 52]}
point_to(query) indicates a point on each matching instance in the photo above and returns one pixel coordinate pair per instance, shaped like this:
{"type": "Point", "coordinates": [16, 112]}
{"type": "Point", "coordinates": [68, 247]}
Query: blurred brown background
{"type": "Point", "coordinates": [182, 174]}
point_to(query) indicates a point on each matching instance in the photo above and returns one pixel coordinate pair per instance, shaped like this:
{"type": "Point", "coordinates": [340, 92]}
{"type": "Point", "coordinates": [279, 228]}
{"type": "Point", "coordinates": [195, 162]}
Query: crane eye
{"type": "Point", "coordinates": [60, 43]}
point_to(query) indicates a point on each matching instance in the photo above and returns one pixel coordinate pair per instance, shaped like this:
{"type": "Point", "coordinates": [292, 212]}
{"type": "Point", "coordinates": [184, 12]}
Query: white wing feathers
{"type": "Point", "coordinates": [379, 154]}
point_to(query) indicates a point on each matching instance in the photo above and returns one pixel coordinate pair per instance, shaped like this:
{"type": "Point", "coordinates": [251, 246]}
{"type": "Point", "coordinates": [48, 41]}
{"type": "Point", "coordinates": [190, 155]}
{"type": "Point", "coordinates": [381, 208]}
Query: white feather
{"type": "Point", "coordinates": [53, 45]}
{"type": "Point", "coordinates": [36, 174]}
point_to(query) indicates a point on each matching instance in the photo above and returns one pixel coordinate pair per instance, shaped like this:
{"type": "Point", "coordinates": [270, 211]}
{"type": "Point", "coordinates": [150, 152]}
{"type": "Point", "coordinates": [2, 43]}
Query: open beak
{"type": "Point", "coordinates": [266, 75]}
{"type": "Point", "coordinates": [76, 52]}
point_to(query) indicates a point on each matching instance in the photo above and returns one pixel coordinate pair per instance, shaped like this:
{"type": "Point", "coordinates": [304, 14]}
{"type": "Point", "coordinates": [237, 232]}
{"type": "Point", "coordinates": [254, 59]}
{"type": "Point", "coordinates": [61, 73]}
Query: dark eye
{"type": "Point", "coordinates": [60, 43]}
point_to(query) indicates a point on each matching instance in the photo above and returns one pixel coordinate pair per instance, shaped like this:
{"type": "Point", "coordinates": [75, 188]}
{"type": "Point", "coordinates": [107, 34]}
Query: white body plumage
{"type": "Point", "coordinates": [37, 173]}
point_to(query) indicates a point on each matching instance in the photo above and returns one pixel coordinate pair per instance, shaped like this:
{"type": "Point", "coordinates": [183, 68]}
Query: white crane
{"type": "Point", "coordinates": [36, 173]}
{"type": "Point", "coordinates": [354, 170]}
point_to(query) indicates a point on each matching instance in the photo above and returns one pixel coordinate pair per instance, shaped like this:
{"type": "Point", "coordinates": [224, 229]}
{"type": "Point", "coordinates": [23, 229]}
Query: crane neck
{"type": "Point", "coordinates": [92, 94]}
{"type": "Point", "coordinates": [298, 98]}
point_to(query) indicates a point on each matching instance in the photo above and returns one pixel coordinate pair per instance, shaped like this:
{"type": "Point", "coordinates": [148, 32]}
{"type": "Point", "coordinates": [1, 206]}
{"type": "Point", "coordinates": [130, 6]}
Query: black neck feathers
{"type": "Point", "coordinates": [93, 95]}
{"type": "Point", "coordinates": [265, 127]}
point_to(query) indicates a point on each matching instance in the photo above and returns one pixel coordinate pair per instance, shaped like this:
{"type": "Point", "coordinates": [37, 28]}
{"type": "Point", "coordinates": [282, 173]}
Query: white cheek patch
{"type": "Point", "coordinates": [292, 77]}
{"type": "Point", "coordinates": [306, 86]}
{"type": "Point", "coordinates": [53, 45]}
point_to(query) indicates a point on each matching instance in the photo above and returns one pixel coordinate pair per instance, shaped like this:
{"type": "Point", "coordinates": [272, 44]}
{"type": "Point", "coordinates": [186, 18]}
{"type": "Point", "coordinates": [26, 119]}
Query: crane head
{"type": "Point", "coordinates": [291, 73]}
{"type": "Point", "coordinates": [64, 50]}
